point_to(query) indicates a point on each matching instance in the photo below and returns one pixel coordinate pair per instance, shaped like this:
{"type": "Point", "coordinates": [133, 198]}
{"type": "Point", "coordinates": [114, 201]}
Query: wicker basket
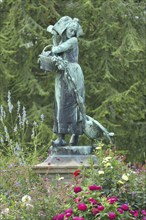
{"type": "Point", "coordinates": [45, 60]}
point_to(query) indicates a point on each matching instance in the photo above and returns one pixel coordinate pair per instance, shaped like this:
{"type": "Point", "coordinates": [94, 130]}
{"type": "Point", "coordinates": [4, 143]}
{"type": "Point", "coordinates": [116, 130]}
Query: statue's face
{"type": "Point", "coordinates": [70, 32]}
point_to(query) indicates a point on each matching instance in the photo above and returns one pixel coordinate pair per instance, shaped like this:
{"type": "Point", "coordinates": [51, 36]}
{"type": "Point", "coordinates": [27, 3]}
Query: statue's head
{"type": "Point", "coordinates": [68, 24]}
{"type": "Point", "coordinates": [74, 28]}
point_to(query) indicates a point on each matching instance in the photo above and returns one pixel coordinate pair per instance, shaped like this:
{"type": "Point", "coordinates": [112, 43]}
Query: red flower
{"type": "Point", "coordinates": [112, 215]}
{"type": "Point", "coordinates": [77, 172]}
{"type": "Point", "coordinates": [77, 189]}
{"type": "Point", "coordinates": [82, 207]}
{"type": "Point", "coordinates": [93, 201]}
{"type": "Point", "coordinates": [125, 207]}
{"type": "Point", "coordinates": [95, 211]}
{"type": "Point", "coordinates": [94, 187]}
{"type": "Point", "coordinates": [112, 199]}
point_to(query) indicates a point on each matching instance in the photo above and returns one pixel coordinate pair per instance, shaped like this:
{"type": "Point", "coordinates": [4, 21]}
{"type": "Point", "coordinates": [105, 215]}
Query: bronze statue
{"type": "Point", "coordinates": [69, 114]}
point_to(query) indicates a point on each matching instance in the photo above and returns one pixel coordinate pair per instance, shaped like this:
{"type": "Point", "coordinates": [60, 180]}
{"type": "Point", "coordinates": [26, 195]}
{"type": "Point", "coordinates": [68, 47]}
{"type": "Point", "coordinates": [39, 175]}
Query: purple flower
{"type": "Point", "coordinates": [77, 189]}
{"type": "Point", "coordinates": [94, 187]}
{"type": "Point", "coordinates": [112, 215]}
{"type": "Point", "coordinates": [82, 207]}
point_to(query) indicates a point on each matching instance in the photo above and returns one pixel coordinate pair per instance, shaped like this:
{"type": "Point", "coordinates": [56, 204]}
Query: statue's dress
{"type": "Point", "coordinates": [67, 116]}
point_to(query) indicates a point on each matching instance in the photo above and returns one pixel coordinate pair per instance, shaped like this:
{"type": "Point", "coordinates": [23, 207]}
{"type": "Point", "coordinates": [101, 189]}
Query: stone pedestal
{"type": "Point", "coordinates": [65, 160]}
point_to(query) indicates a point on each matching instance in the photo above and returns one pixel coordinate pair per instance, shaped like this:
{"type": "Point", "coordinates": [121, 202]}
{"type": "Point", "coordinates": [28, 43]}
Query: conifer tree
{"type": "Point", "coordinates": [112, 56]}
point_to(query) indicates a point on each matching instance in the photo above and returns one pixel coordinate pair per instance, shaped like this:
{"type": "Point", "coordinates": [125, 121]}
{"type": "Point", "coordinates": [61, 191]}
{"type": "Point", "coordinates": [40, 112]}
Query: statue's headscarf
{"type": "Point", "coordinates": [61, 25]}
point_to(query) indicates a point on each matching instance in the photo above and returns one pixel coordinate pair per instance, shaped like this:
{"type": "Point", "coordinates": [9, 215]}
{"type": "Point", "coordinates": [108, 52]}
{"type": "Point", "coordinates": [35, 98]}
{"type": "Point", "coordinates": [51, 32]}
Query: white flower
{"type": "Point", "coordinates": [26, 199]}
{"type": "Point", "coordinates": [5, 211]}
{"type": "Point", "coordinates": [20, 120]}
{"type": "Point", "coordinates": [61, 178]}
{"type": "Point", "coordinates": [15, 128]}
{"type": "Point", "coordinates": [18, 108]}
{"type": "Point", "coordinates": [98, 148]}
{"type": "Point", "coordinates": [42, 117]}
{"type": "Point", "coordinates": [10, 106]}
{"type": "Point", "coordinates": [100, 172]}
{"type": "Point", "coordinates": [34, 124]}
{"type": "Point", "coordinates": [29, 206]}
{"type": "Point", "coordinates": [125, 177]}
{"type": "Point", "coordinates": [23, 115]}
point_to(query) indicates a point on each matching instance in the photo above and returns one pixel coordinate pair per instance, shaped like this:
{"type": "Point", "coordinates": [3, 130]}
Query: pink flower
{"type": "Point", "coordinates": [93, 201]}
{"type": "Point", "coordinates": [77, 189]}
{"type": "Point", "coordinates": [143, 212]}
{"type": "Point", "coordinates": [125, 207]}
{"type": "Point", "coordinates": [120, 210]}
{"type": "Point", "coordinates": [68, 212]}
{"type": "Point", "coordinates": [77, 218]}
{"type": "Point", "coordinates": [95, 211]}
{"type": "Point", "coordinates": [77, 200]}
{"type": "Point", "coordinates": [112, 199]}
{"type": "Point", "coordinates": [82, 207]}
{"type": "Point", "coordinates": [59, 217]}
{"type": "Point", "coordinates": [112, 215]}
{"type": "Point", "coordinates": [134, 213]}
{"type": "Point", "coordinates": [94, 187]}
{"type": "Point", "coordinates": [100, 207]}
{"type": "Point", "coordinates": [144, 218]}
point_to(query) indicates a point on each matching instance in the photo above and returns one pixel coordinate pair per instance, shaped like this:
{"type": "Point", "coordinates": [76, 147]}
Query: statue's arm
{"type": "Point", "coordinates": [70, 43]}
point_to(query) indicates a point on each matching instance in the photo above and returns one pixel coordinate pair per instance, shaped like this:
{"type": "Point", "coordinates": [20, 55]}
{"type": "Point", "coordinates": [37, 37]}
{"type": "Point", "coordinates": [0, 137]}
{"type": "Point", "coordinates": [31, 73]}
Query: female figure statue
{"type": "Point", "coordinates": [68, 118]}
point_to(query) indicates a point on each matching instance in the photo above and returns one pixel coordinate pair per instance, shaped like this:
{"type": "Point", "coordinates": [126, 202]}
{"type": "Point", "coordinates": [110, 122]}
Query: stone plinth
{"type": "Point", "coordinates": [65, 160]}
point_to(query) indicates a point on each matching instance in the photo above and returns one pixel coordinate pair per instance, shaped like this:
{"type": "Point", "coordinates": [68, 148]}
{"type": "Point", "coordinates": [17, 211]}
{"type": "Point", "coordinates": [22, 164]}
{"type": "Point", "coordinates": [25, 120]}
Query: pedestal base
{"type": "Point", "coordinates": [64, 161]}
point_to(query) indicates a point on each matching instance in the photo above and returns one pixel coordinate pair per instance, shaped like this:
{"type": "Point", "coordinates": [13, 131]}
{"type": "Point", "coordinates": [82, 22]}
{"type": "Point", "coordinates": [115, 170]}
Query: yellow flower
{"type": "Point", "coordinates": [120, 182]}
{"type": "Point", "coordinates": [107, 165]}
{"type": "Point", "coordinates": [100, 172]}
{"type": "Point", "coordinates": [98, 148]}
{"type": "Point", "coordinates": [106, 159]}
{"type": "Point", "coordinates": [125, 177]}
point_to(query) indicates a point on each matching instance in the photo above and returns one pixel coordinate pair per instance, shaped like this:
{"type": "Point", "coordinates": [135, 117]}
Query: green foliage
{"type": "Point", "coordinates": [27, 195]}
{"type": "Point", "coordinates": [18, 135]}
{"type": "Point", "coordinates": [117, 177]}
{"type": "Point", "coordinates": [112, 56]}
